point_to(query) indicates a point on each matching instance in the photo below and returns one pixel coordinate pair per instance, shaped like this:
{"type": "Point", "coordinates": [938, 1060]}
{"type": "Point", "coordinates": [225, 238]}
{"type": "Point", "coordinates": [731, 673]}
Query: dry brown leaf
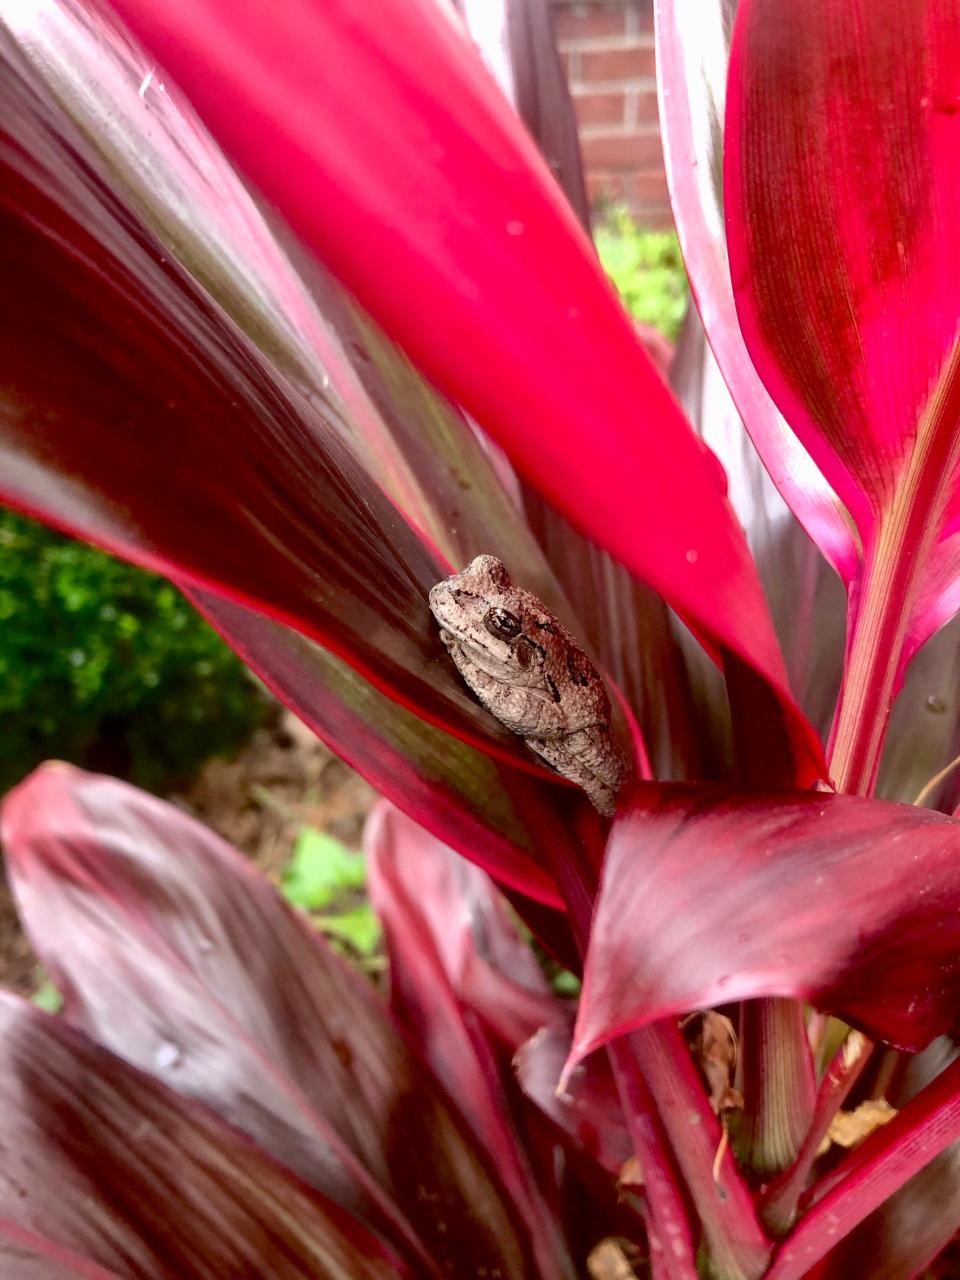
{"type": "Point", "coordinates": [849, 1128]}
{"type": "Point", "coordinates": [609, 1261]}
{"type": "Point", "coordinates": [715, 1048]}
{"type": "Point", "coordinates": [630, 1175]}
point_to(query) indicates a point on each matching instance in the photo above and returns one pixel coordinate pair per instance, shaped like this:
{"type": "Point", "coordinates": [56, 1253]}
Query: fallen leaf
{"type": "Point", "coordinates": [608, 1261]}
{"type": "Point", "coordinates": [849, 1128]}
{"type": "Point", "coordinates": [715, 1049]}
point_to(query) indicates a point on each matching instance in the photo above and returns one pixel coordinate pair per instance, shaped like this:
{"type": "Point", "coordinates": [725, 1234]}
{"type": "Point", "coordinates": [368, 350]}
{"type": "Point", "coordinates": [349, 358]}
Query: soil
{"type": "Point", "coordinates": [282, 780]}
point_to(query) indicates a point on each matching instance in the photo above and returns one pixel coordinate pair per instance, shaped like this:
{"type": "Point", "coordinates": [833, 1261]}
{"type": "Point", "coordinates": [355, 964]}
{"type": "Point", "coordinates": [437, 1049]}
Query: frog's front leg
{"type": "Point", "coordinates": [521, 709]}
{"type": "Point", "coordinates": [590, 759]}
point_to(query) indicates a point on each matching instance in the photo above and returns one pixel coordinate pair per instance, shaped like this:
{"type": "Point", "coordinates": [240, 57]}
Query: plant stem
{"type": "Point", "coordinates": [655, 1063]}
{"type": "Point", "coordinates": [871, 1174]}
{"type": "Point", "coordinates": [779, 1205]}
{"type": "Point", "coordinates": [878, 627]}
{"type": "Point", "coordinates": [738, 1247]}
{"type": "Point", "coordinates": [893, 566]}
{"type": "Point", "coordinates": [664, 1197]}
{"type": "Point", "coordinates": [778, 1085]}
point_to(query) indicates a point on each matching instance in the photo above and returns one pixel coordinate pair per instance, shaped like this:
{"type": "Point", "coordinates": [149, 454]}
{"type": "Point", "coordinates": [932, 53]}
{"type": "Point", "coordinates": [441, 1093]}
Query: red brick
{"type": "Point", "coordinates": [635, 62]}
{"type": "Point", "coordinates": [644, 19]}
{"type": "Point", "coordinates": [572, 22]}
{"type": "Point", "coordinates": [648, 187]}
{"type": "Point", "coordinates": [646, 111]}
{"type": "Point", "coordinates": [622, 151]}
{"type": "Point", "coordinates": [600, 108]}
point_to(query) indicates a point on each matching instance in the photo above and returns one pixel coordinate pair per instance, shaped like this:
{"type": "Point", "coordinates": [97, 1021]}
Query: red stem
{"type": "Point", "coordinates": [893, 567]}
{"type": "Point", "coordinates": [871, 1174]}
{"type": "Point", "coordinates": [669, 1220]}
{"type": "Point", "coordinates": [654, 1064]}
{"type": "Point", "coordinates": [737, 1245]}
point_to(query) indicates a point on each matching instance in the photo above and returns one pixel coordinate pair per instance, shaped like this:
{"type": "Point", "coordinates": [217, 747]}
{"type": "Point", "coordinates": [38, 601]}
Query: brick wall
{"type": "Point", "coordinates": [607, 48]}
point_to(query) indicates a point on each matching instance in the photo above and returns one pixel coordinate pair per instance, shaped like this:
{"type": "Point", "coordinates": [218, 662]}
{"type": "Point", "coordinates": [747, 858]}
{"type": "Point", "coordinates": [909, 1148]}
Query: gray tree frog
{"type": "Point", "coordinates": [530, 673]}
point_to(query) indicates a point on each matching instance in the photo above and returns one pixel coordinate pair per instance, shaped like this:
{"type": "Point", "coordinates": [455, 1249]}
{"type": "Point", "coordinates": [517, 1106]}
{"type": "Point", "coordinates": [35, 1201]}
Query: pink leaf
{"type": "Point", "coordinates": [588, 1108]}
{"type": "Point", "coordinates": [438, 908]}
{"type": "Point", "coordinates": [692, 53]}
{"type": "Point", "coordinates": [448, 228]}
{"type": "Point", "coordinates": [710, 896]}
{"type": "Point", "coordinates": [93, 1147]}
{"type": "Point", "coordinates": [175, 953]}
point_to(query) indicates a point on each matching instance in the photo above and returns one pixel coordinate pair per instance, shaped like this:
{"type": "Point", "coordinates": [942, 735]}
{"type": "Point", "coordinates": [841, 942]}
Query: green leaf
{"type": "Point", "coordinates": [359, 928]}
{"type": "Point", "coordinates": [321, 870]}
{"type": "Point", "coordinates": [647, 269]}
{"type": "Point", "coordinates": [47, 997]}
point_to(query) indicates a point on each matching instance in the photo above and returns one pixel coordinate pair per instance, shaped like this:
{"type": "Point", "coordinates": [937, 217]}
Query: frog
{"type": "Point", "coordinates": [530, 673]}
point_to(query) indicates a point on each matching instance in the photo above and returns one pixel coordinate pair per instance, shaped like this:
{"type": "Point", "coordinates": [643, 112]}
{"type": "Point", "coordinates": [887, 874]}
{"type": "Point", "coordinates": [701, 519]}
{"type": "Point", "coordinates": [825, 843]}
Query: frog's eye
{"type": "Point", "coordinates": [502, 623]}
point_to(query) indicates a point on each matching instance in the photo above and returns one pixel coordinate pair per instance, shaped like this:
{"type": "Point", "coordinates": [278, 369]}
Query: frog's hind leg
{"type": "Point", "coordinates": [589, 758]}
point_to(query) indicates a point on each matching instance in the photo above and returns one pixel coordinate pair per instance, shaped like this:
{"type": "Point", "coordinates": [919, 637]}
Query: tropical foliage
{"type": "Point", "coordinates": [304, 417]}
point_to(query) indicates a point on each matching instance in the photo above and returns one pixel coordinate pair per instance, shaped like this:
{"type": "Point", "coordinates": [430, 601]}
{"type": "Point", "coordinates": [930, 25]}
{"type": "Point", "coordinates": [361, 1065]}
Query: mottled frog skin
{"type": "Point", "coordinates": [530, 673]}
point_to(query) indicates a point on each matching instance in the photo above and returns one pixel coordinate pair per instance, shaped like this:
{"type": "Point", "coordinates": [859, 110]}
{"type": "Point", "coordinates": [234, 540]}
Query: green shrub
{"type": "Point", "coordinates": [105, 665]}
{"type": "Point", "coordinates": [647, 269]}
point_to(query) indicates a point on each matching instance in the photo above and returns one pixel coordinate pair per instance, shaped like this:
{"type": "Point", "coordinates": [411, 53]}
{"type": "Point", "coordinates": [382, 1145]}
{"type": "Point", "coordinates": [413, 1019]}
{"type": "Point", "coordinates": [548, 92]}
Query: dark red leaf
{"type": "Point", "coordinates": [710, 896]}
{"type": "Point", "coordinates": [456, 967]}
{"type": "Point", "coordinates": [842, 199]}
{"type": "Point", "coordinates": [27, 1256]}
{"type": "Point", "coordinates": [692, 54]}
{"type": "Point", "coordinates": [110, 1164]}
{"type": "Point", "coordinates": [333, 111]}
{"type": "Point", "coordinates": [123, 384]}
{"type": "Point", "coordinates": [445, 784]}
{"type": "Point", "coordinates": [175, 953]}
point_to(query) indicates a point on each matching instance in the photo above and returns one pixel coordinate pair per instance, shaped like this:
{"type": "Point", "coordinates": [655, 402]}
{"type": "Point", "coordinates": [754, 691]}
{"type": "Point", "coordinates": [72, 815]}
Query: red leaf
{"type": "Point", "coordinates": [456, 967]}
{"type": "Point", "coordinates": [416, 447]}
{"type": "Point", "coordinates": [842, 201]}
{"type": "Point", "coordinates": [448, 228]}
{"type": "Point", "coordinates": [176, 954]}
{"type": "Point", "coordinates": [588, 1108]}
{"type": "Point", "coordinates": [629, 628]}
{"type": "Point", "coordinates": [110, 1164]}
{"type": "Point", "coordinates": [911, 1227]}
{"type": "Point", "coordinates": [710, 896]}
{"type": "Point", "coordinates": [864, 1180]}
{"type": "Point", "coordinates": [692, 53]}
{"type": "Point", "coordinates": [134, 414]}
{"type": "Point", "coordinates": [806, 598]}
{"type": "Point", "coordinates": [516, 39]}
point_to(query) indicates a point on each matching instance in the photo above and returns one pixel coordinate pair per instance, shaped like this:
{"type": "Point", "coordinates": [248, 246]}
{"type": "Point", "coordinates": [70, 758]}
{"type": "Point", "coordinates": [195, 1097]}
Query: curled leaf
{"type": "Point", "coordinates": [710, 896]}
